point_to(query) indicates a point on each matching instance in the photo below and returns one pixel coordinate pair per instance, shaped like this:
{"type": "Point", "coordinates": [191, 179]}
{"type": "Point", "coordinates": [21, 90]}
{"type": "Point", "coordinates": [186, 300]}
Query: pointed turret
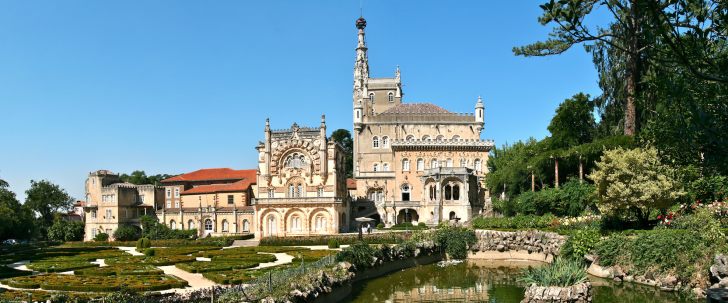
{"type": "Point", "coordinates": [361, 65]}
{"type": "Point", "coordinates": [480, 114]}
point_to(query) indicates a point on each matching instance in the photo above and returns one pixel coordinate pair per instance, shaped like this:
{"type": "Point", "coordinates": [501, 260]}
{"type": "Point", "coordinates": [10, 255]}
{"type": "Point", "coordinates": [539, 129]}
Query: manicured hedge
{"type": "Point", "coordinates": [7, 272]}
{"type": "Point", "coordinates": [251, 250]}
{"type": "Point", "coordinates": [171, 251]}
{"type": "Point", "coordinates": [212, 241]}
{"type": "Point", "coordinates": [259, 258]}
{"type": "Point", "coordinates": [96, 284]}
{"type": "Point", "coordinates": [311, 256]}
{"type": "Point", "coordinates": [51, 267]}
{"type": "Point", "coordinates": [120, 270]}
{"type": "Point", "coordinates": [203, 266]}
{"type": "Point", "coordinates": [380, 238]}
{"type": "Point", "coordinates": [242, 237]}
{"type": "Point", "coordinates": [156, 261]}
{"type": "Point", "coordinates": [43, 296]}
{"type": "Point", "coordinates": [240, 276]}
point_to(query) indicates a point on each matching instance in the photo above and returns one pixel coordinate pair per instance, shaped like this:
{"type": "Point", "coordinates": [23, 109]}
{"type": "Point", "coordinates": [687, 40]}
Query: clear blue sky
{"type": "Point", "coordinates": [176, 86]}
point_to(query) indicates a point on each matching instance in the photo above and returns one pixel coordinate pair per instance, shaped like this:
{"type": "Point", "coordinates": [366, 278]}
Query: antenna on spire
{"type": "Point", "coordinates": [361, 3]}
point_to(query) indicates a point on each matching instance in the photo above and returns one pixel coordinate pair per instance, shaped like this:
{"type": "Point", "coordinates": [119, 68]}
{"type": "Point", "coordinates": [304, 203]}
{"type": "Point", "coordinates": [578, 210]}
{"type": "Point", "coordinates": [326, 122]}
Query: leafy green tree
{"type": "Point", "coordinates": [46, 199]}
{"type": "Point", "coordinates": [63, 230]}
{"type": "Point", "coordinates": [635, 180]}
{"type": "Point", "coordinates": [573, 123]}
{"type": "Point", "coordinates": [16, 220]}
{"type": "Point", "coordinates": [126, 233]}
{"type": "Point", "coordinates": [343, 136]}
{"type": "Point", "coordinates": [139, 177]}
{"type": "Point", "coordinates": [3, 183]}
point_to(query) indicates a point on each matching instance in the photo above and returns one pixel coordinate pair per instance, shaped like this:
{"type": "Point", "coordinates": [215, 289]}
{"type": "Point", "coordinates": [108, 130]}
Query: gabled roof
{"type": "Point", "coordinates": [350, 183]}
{"type": "Point", "coordinates": [216, 174]}
{"type": "Point", "coordinates": [214, 188]}
{"type": "Point", "coordinates": [415, 108]}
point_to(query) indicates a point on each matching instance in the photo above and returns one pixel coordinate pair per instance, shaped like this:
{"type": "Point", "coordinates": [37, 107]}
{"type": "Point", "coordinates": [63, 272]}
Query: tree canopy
{"type": "Point", "coordinates": [139, 177]}
{"type": "Point", "coordinates": [343, 136]}
{"type": "Point", "coordinates": [46, 199]}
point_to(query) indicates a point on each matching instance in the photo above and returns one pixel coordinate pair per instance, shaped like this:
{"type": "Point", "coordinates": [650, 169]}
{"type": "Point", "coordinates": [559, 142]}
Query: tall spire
{"type": "Point", "coordinates": [361, 65]}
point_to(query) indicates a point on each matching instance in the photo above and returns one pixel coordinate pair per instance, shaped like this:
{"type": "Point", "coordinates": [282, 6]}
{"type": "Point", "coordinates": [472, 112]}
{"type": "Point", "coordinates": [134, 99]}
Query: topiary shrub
{"type": "Point", "coordinates": [149, 252]}
{"type": "Point", "coordinates": [333, 243]}
{"type": "Point", "coordinates": [380, 226]}
{"type": "Point", "coordinates": [421, 224]}
{"type": "Point", "coordinates": [102, 237]}
{"type": "Point", "coordinates": [143, 243]}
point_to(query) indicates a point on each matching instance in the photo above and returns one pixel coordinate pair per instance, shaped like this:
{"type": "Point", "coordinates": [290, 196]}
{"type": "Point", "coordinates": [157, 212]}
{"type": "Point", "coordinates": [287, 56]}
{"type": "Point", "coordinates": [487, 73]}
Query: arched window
{"type": "Point", "coordinates": [448, 162]}
{"type": "Point", "coordinates": [320, 223]}
{"type": "Point", "coordinates": [291, 191]}
{"type": "Point", "coordinates": [456, 138]}
{"type": "Point", "coordinates": [391, 97]}
{"type": "Point", "coordinates": [246, 225]}
{"type": "Point", "coordinates": [448, 192]}
{"type": "Point", "coordinates": [385, 167]}
{"type": "Point", "coordinates": [405, 192]}
{"type": "Point", "coordinates": [371, 97]}
{"type": "Point", "coordinates": [376, 167]}
{"type": "Point", "coordinates": [410, 138]}
{"type": "Point", "coordinates": [208, 226]}
{"type": "Point", "coordinates": [463, 162]}
{"type": "Point", "coordinates": [190, 224]}
{"type": "Point", "coordinates": [452, 215]}
{"type": "Point", "coordinates": [224, 225]}
{"type": "Point", "coordinates": [272, 230]}
{"type": "Point", "coordinates": [426, 138]}
{"type": "Point", "coordinates": [433, 163]}
{"type": "Point", "coordinates": [420, 164]}
{"type": "Point", "coordinates": [373, 196]}
{"type": "Point", "coordinates": [385, 142]}
{"type": "Point", "coordinates": [456, 192]}
{"type": "Point", "coordinates": [478, 165]}
{"type": "Point", "coordinates": [172, 224]}
{"type": "Point", "coordinates": [375, 142]}
{"type": "Point", "coordinates": [299, 190]}
{"type": "Point", "coordinates": [440, 138]}
{"type": "Point", "coordinates": [405, 164]}
{"type": "Point", "coordinates": [296, 160]}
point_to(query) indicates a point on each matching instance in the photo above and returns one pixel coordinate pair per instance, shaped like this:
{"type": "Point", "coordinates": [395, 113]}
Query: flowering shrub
{"type": "Point", "coordinates": [587, 222]}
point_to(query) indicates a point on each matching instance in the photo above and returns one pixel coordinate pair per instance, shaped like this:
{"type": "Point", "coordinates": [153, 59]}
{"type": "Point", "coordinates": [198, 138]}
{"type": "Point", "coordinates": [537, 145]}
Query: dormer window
{"type": "Point", "coordinates": [391, 97]}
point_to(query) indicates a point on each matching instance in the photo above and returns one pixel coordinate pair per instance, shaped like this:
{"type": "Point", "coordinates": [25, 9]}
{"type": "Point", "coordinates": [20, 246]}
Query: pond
{"type": "Point", "coordinates": [485, 281]}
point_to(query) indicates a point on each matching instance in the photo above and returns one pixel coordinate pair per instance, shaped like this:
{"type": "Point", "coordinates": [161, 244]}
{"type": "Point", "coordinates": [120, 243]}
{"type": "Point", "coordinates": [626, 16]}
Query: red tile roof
{"type": "Point", "coordinates": [350, 183]}
{"type": "Point", "coordinates": [79, 203]}
{"type": "Point", "coordinates": [216, 174]}
{"type": "Point", "coordinates": [416, 108]}
{"type": "Point", "coordinates": [213, 188]}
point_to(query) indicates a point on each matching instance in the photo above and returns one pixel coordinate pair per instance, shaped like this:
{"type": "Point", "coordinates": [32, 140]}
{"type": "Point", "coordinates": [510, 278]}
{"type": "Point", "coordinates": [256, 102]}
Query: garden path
{"type": "Point", "coordinates": [196, 281]}
{"type": "Point", "coordinates": [131, 250]}
{"type": "Point", "coordinates": [323, 247]}
{"type": "Point", "coordinates": [244, 243]}
{"type": "Point", "coordinates": [283, 258]}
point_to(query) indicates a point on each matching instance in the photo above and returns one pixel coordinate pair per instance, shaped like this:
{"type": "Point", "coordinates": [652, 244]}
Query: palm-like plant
{"type": "Point", "coordinates": [563, 272]}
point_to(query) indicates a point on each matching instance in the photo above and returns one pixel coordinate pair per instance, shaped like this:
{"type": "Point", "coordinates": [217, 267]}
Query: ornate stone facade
{"type": "Point", "coordinates": [302, 187]}
{"type": "Point", "coordinates": [413, 162]}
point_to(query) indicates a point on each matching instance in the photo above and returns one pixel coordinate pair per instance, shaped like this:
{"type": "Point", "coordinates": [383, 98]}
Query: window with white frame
{"type": "Point", "coordinates": [246, 225]}
{"type": "Point", "coordinates": [271, 193]}
{"type": "Point", "coordinates": [299, 190]}
{"type": "Point", "coordinates": [391, 96]}
{"type": "Point", "coordinates": [296, 160]}
{"type": "Point", "coordinates": [376, 167]}
{"type": "Point", "coordinates": [385, 142]}
{"type": "Point", "coordinates": [169, 204]}
{"type": "Point", "coordinates": [405, 192]}
{"type": "Point", "coordinates": [291, 191]}
{"type": "Point", "coordinates": [463, 162]}
{"type": "Point", "coordinates": [224, 225]}
{"type": "Point", "coordinates": [93, 181]}
{"type": "Point", "coordinates": [420, 165]}
{"type": "Point", "coordinates": [320, 223]}
{"type": "Point", "coordinates": [108, 214]}
{"type": "Point", "coordinates": [448, 162]}
{"type": "Point", "coordinates": [141, 198]}
{"type": "Point", "coordinates": [113, 198]}
{"type": "Point", "coordinates": [371, 97]}
{"type": "Point", "coordinates": [169, 193]}
{"type": "Point", "coordinates": [385, 167]}
{"type": "Point", "coordinates": [176, 204]}
{"type": "Point", "coordinates": [94, 232]}
{"type": "Point", "coordinates": [433, 163]}
{"type": "Point", "coordinates": [93, 214]}
{"type": "Point", "coordinates": [320, 192]}
{"type": "Point", "coordinates": [375, 142]}
{"type": "Point", "coordinates": [296, 223]}
{"type": "Point", "coordinates": [190, 224]}
{"type": "Point", "coordinates": [176, 192]}
{"type": "Point", "coordinates": [405, 164]}
{"type": "Point", "coordinates": [478, 166]}
{"type": "Point", "coordinates": [172, 224]}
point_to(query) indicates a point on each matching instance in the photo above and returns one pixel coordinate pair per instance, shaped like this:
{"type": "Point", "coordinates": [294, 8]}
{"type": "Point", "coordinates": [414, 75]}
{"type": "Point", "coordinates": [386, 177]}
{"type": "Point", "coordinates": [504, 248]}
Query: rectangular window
{"type": "Point", "coordinates": [125, 214]}
{"type": "Point", "coordinates": [169, 204]}
{"type": "Point", "coordinates": [93, 214]}
{"type": "Point", "coordinates": [230, 199]}
{"type": "Point", "coordinates": [93, 233]}
{"type": "Point", "coordinates": [320, 192]}
{"type": "Point", "coordinates": [93, 181]}
{"type": "Point", "coordinates": [169, 193]}
{"type": "Point", "coordinates": [176, 204]}
{"type": "Point", "coordinates": [141, 198]}
{"type": "Point", "coordinates": [113, 198]}
{"type": "Point", "coordinates": [176, 192]}
{"type": "Point", "coordinates": [271, 193]}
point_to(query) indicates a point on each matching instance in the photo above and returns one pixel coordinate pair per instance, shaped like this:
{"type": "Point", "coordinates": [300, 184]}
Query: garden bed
{"type": "Point", "coordinates": [96, 284]}
{"type": "Point", "coordinates": [241, 276]}
{"type": "Point", "coordinates": [52, 267]}
{"type": "Point", "coordinates": [120, 270]}
{"type": "Point", "coordinates": [203, 266]}
{"type": "Point", "coordinates": [389, 238]}
{"type": "Point", "coordinates": [156, 261]}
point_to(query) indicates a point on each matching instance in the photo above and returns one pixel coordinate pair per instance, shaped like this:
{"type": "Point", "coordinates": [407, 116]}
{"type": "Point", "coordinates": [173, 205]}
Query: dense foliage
{"type": "Point", "coordinates": [155, 230]}
{"type": "Point", "coordinates": [46, 199]}
{"type": "Point", "coordinates": [126, 233]}
{"type": "Point", "coordinates": [455, 240]}
{"type": "Point", "coordinates": [140, 177]}
{"type": "Point", "coordinates": [63, 230]}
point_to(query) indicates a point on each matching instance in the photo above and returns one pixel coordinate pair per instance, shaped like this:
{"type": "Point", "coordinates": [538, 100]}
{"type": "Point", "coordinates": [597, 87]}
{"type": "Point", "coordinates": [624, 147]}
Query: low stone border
{"type": "Point", "coordinates": [667, 283]}
{"type": "Point", "coordinates": [576, 293]}
{"type": "Point", "coordinates": [511, 255]}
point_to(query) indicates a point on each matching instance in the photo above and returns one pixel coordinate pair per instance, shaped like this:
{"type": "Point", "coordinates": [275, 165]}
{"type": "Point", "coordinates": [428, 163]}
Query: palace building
{"type": "Point", "coordinates": [413, 162]}
{"type": "Point", "coordinates": [302, 185]}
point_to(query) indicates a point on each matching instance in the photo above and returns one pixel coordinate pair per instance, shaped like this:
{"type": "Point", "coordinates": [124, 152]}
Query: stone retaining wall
{"type": "Point", "coordinates": [534, 245]}
{"type": "Point", "coordinates": [541, 294]}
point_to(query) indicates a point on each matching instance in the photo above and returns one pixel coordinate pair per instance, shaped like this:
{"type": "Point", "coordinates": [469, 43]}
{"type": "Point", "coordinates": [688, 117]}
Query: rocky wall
{"type": "Point", "coordinates": [580, 293]}
{"type": "Point", "coordinates": [532, 241]}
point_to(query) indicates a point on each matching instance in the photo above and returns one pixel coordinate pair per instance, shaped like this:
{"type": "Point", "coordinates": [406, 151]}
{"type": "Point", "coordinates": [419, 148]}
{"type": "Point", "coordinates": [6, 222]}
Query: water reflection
{"type": "Point", "coordinates": [483, 281]}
